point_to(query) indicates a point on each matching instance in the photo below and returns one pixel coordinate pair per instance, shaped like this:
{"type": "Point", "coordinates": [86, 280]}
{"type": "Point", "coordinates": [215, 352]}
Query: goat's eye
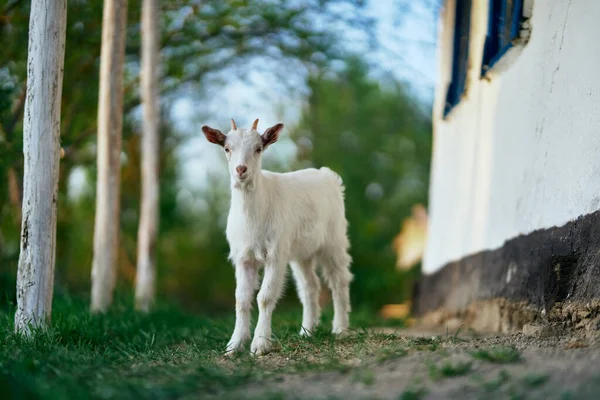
{"type": "Point", "coordinates": [258, 150]}
{"type": "Point", "coordinates": [226, 149]}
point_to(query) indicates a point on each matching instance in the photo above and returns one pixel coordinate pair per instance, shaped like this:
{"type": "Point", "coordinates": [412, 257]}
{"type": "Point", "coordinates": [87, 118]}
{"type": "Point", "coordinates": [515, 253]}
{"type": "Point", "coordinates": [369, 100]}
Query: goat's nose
{"type": "Point", "coordinates": [241, 169]}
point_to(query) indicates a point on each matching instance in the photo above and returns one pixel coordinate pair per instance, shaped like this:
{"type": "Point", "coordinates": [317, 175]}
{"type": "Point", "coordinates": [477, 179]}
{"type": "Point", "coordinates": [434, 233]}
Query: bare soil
{"type": "Point", "coordinates": [448, 366]}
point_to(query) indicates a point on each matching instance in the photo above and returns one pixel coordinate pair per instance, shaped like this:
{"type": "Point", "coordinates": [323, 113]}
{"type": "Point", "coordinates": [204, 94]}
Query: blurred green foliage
{"type": "Point", "coordinates": [372, 133]}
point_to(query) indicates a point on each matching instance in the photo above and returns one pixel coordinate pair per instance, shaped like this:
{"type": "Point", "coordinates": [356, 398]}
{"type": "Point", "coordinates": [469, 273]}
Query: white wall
{"type": "Point", "coordinates": [521, 151]}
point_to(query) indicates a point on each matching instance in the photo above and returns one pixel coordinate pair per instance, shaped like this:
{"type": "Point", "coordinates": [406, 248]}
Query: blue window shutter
{"type": "Point", "coordinates": [460, 54]}
{"type": "Point", "coordinates": [504, 20]}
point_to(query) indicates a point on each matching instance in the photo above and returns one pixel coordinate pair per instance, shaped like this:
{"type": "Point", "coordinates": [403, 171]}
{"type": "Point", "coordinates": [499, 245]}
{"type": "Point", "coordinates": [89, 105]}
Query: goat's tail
{"type": "Point", "coordinates": [335, 176]}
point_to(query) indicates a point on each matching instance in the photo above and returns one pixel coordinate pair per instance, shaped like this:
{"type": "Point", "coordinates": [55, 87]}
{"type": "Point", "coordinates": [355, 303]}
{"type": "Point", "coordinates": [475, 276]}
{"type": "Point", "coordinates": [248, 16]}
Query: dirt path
{"type": "Point", "coordinates": [461, 367]}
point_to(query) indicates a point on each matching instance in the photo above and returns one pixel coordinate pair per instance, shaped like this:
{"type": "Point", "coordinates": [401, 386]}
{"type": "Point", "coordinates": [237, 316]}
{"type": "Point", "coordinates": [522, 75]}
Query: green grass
{"type": "Point", "coordinates": [365, 376]}
{"type": "Point", "coordinates": [390, 351]}
{"type": "Point", "coordinates": [535, 379]}
{"type": "Point", "coordinates": [494, 384]}
{"type": "Point", "coordinates": [498, 354]}
{"type": "Point", "coordinates": [424, 343]}
{"type": "Point", "coordinates": [166, 354]}
{"type": "Point", "coordinates": [448, 369]}
{"type": "Point", "coordinates": [413, 393]}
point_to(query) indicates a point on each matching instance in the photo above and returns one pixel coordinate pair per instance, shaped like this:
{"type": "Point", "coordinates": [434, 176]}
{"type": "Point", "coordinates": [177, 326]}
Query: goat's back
{"type": "Point", "coordinates": [312, 207]}
{"type": "Point", "coordinates": [321, 188]}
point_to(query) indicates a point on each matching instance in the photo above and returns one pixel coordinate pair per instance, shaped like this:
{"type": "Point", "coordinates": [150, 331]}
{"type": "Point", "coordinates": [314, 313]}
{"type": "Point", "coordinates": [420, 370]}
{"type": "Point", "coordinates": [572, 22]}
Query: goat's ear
{"type": "Point", "coordinates": [271, 135]}
{"type": "Point", "coordinates": [214, 135]}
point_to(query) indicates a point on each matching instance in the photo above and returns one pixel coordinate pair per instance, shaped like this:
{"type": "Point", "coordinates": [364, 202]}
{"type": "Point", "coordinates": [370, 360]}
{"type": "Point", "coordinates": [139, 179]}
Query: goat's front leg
{"type": "Point", "coordinates": [246, 277]}
{"type": "Point", "coordinates": [270, 291]}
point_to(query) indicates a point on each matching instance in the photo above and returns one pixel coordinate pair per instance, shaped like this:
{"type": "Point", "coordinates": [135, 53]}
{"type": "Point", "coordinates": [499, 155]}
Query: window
{"type": "Point", "coordinates": [460, 54]}
{"type": "Point", "coordinates": [503, 27]}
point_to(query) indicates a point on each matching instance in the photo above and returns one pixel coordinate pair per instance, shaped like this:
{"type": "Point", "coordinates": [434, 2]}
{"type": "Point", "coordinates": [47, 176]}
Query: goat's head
{"type": "Point", "coordinates": [243, 149]}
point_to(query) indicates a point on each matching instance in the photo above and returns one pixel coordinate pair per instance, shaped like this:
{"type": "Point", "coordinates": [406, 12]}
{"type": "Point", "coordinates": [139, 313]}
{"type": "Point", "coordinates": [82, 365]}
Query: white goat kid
{"type": "Point", "coordinates": [276, 219]}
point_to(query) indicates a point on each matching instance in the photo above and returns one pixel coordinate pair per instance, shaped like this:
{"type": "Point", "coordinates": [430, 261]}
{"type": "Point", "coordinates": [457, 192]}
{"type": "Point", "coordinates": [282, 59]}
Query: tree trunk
{"type": "Point", "coordinates": [110, 124]}
{"type": "Point", "coordinates": [41, 148]}
{"type": "Point", "coordinates": [148, 229]}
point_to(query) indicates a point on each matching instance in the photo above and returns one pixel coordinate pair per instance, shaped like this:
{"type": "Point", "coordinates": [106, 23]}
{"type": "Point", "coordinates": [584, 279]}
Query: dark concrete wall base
{"type": "Point", "coordinates": [520, 282]}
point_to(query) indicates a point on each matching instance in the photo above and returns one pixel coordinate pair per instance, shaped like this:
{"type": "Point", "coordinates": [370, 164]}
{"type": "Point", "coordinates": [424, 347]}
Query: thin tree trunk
{"type": "Point", "coordinates": [148, 228]}
{"type": "Point", "coordinates": [41, 148]}
{"type": "Point", "coordinates": [110, 124]}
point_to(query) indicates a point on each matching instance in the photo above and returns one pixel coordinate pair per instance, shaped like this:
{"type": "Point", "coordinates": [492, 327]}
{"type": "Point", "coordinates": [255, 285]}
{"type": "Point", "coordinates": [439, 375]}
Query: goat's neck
{"type": "Point", "coordinates": [250, 200]}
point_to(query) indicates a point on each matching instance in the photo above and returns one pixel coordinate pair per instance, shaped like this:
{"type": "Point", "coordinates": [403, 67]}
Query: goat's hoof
{"type": "Point", "coordinates": [230, 352]}
{"type": "Point", "coordinates": [233, 347]}
{"type": "Point", "coordinates": [340, 332]}
{"type": "Point", "coordinates": [306, 332]}
{"type": "Point", "coordinates": [260, 346]}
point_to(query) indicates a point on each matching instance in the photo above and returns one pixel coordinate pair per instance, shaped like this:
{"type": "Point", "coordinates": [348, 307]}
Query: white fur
{"type": "Point", "coordinates": [276, 219]}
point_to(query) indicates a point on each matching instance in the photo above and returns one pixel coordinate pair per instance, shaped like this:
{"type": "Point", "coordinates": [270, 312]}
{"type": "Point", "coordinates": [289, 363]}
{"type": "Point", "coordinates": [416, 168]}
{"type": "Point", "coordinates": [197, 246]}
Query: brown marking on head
{"type": "Point", "coordinates": [271, 135]}
{"type": "Point", "coordinates": [214, 135]}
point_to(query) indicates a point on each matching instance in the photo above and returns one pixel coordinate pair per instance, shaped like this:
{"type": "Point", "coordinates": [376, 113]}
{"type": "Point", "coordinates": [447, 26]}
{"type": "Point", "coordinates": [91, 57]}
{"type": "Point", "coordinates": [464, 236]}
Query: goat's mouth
{"type": "Point", "coordinates": [241, 181]}
{"type": "Point", "coordinates": [242, 178]}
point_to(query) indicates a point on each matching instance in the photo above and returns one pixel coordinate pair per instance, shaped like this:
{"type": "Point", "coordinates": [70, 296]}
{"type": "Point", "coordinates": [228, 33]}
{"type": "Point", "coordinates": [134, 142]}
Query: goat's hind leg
{"type": "Point", "coordinates": [308, 287]}
{"type": "Point", "coordinates": [336, 272]}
